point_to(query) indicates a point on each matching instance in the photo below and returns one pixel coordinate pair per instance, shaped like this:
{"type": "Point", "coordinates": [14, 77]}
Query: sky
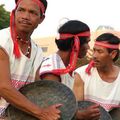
{"type": "Point", "coordinates": [93, 12]}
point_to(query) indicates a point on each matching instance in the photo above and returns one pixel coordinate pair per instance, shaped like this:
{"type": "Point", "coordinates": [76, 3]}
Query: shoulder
{"type": "Point", "coordinates": [5, 33]}
{"type": "Point", "coordinates": [36, 46]}
{"type": "Point", "coordinates": [47, 61]}
{"type": "Point", "coordinates": [81, 71]}
{"type": "Point", "coordinates": [6, 41]}
{"type": "Point", "coordinates": [82, 68]}
{"type": "Point", "coordinates": [47, 65]}
{"type": "Point", "coordinates": [5, 30]}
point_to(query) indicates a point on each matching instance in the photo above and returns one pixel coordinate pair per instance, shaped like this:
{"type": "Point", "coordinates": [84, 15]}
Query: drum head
{"type": "Point", "coordinates": [104, 114]}
{"type": "Point", "coordinates": [45, 93]}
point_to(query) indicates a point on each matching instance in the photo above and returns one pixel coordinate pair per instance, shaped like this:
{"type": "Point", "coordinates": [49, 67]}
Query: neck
{"type": "Point", "coordinates": [107, 69]}
{"type": "Point", "coordinates": [109, 74]}
{"type": "Point", "coordinates": [24, 35]}
{"type": "Point", "coordinates": [65, 56]}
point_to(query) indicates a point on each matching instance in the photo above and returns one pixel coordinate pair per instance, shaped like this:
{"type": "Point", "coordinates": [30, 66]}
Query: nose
{"type": "Point", "coordinates": [26, 15]}
{"type": "Point", "coordinates": [95, 54]}
{"type": "Point", "coordinates": [87, 46]}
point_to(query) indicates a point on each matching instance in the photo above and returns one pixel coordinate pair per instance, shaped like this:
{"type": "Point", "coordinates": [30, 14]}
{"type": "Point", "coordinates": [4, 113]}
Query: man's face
{"type": "Point", "coordinates": [101, 56]}
{"type": "Point", "coordinates": [27, 16]}
{"type": "Point", "coordinates": [84, 48]}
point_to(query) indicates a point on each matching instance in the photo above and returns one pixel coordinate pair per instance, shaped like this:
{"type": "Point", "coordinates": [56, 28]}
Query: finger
{"type": "Point", "coordinates": [95, 106]}
{"type": "Point", "coordinates": [95, 116]}
{"type": "Point", "coordinates": [56, 117]}
{"type": "Point", "coordinates": [58, 105]}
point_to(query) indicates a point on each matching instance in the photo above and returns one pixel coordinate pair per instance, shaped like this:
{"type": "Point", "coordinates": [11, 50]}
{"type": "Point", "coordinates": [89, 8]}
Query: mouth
{"type": "Point", "coordinates": [25, 23]}
{"type": "Point", "coordinates": [96, 62]}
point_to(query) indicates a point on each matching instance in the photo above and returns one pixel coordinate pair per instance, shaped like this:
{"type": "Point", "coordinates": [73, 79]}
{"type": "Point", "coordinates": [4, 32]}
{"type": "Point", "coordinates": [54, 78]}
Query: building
{"type": "Point", "coordinates": [48, 43]}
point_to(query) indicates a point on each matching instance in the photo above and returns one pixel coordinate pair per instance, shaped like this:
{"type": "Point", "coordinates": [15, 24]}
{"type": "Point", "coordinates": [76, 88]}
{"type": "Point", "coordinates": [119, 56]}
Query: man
{"type": "Point", "coordinates": [72, 42]}
{"type": "Point", "coordinates": [19, 59]}
{"type": "Point", "coordinates": [72, 36]}
{"type": "Point", "coordinates": [101, 83]}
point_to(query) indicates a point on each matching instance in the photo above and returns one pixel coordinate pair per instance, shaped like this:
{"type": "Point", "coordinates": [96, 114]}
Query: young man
{"type": "Point", "coordinates": [101, 83]}
{"type": "Point", "coordinates": [72, 42]}
{"type": "Point", "coordinates": [19, 59]}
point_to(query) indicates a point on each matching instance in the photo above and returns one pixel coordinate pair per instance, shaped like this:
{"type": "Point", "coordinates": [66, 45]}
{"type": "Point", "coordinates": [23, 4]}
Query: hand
{"type": "Point", "coordinates": [50, 113]}
{"type": "Point", "coordinates": [89, 54]}
{"type": "Point", "coordinates": [89, 113]}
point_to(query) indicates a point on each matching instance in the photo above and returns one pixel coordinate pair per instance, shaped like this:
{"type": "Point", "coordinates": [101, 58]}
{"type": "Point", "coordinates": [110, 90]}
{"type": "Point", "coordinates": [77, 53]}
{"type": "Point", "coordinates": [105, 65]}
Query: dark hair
{"type": "Point", "coordinates": [71, 27]}
{"type": "Point", "coordinates": [111, 39]}
{"type": "Point", "coordinates": [43, 1]}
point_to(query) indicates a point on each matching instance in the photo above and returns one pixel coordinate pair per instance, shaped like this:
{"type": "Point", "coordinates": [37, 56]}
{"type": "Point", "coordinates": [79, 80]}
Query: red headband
{"type": "Point", "coordinates": [103, 44]}
{"type": "Point", "coordinates": [107, 45]}
{"type": "Point", "coordinates": [74, 53]}
{"type": "Point", "coordinates": [38, 2]}
{"type": "Point", "coordinates": [16, 50]}
{"type": "Point", "coordinates": [66, 36]}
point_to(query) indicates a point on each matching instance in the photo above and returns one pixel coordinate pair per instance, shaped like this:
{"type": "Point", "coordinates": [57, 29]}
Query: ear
{"type": "Point", "coordinates": [41, 19]}
{"type": "Point", "coordinates": [113, 54]}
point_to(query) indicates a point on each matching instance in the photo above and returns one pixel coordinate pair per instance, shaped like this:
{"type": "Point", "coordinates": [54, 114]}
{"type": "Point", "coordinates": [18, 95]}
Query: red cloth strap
{"type": "Point", "coordinates": [74, 54]}
{"type": "Point", "coordinates": [66, 36]}
{"type": "Point", "coordinates": [16, 50]}
{"type": "Point", "coordinates": [107, 45]}
{"type": "Point", "coordinates": [39, 3]}
{"type": "Point", "coordinates": [103, 44]}
{"type": "Point", "coordinates": [88, 69]}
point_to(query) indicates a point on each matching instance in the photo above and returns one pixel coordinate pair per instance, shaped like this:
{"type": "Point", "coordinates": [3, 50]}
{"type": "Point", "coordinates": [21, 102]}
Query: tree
{"type": "Point", "coordinates": [4, 17]}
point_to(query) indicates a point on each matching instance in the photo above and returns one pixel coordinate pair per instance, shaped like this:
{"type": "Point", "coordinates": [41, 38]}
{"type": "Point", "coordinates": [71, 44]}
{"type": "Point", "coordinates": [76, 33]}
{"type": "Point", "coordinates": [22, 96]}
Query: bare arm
{"type": "Point", "coordinates": [37, 77]}
{"type": "Point", "coordinates": [47, 76]}
{"type": "Point", "coordinates": [78, 87]}
{"type": "Point", "coordinates": [8, 92]}
{"type": "Point", "coordinates": [90, 113]}
{"type": "Point", "coordinates": [50, 76]}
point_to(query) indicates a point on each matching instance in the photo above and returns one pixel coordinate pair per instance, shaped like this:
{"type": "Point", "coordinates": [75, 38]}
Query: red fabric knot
{"type": "Point", "coordinates": [74, 54]}
{"type": "Point", "coordinates": [16, 50]}
{"type": "Point", "coordinates": [88, 69]}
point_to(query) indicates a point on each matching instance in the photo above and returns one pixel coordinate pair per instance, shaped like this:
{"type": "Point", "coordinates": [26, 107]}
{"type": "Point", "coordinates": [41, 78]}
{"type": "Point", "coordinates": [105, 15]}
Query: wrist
{"type": "Point", "coordinates": [80, 115]}
{"type": "Point", "coordinates": [37, 112]}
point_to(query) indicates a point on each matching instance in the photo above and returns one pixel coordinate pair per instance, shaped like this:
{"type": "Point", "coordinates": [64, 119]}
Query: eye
{"type": "Point", "coordinates": [21, 10]}
{"type": "Point", "coordinates": [34, 13]}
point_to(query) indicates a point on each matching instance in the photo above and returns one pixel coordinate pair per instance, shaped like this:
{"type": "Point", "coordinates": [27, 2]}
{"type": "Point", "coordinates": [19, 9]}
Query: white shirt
{"type": "Point", "coordinates": [54, 62]}
{"type": "Point", "coordinates": [22, 70]}
{"type": "Point", "coordinates": [96, 90]}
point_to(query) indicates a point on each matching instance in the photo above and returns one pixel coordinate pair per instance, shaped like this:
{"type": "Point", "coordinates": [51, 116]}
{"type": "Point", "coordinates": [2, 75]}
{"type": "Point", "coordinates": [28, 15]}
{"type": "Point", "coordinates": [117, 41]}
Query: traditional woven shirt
{"type": "Point", "coordinates": [22, 70]}
{"type": "Point", "coordinates": [53, 62]}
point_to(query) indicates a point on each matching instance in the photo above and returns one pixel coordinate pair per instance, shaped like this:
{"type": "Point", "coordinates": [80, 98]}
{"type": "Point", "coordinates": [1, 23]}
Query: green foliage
{"type": "Point", "coordinates": [4, 17]}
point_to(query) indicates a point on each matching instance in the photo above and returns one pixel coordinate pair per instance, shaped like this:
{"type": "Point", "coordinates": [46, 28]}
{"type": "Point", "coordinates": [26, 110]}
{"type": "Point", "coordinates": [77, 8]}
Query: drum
{"type": "Point", "coordinates": [115, 114]}
{"type": "Point", "coordinates": [45, 93]}
{"type": "Point", "coordinates": [104, 114]}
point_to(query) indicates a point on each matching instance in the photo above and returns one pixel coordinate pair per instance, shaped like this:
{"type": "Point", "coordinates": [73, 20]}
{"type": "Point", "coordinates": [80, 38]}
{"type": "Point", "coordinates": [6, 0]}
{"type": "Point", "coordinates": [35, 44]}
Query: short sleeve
{"type": "Point", "coordinates": [5, 41]}
{"type": "Point", "coordinates": [81, 72]}
{"type": "Point", "coordinates": [46, 66]}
